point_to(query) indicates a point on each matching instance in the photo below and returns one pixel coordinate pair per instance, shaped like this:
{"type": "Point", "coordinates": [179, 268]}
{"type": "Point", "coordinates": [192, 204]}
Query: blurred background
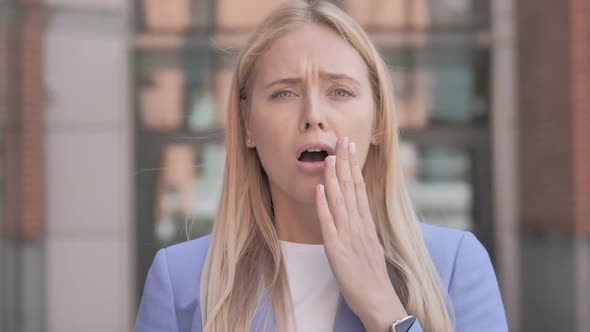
{"type": "Point", "coordinates": [112, 143]}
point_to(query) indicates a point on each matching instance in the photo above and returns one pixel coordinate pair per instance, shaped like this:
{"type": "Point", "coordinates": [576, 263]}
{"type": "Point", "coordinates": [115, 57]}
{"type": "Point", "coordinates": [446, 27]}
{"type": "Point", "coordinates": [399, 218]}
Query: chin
{"type": "Point", "coordinates": [304, 192]}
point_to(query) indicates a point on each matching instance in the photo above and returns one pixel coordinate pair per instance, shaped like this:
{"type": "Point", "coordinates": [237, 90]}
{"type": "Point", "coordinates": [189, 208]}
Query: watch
{"type": "Point", "coordinates": [403, 325]}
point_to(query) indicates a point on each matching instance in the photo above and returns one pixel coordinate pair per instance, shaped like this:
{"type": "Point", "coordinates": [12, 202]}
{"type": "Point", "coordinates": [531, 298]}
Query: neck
{"type": "Point", "coordinates": [295, 221]}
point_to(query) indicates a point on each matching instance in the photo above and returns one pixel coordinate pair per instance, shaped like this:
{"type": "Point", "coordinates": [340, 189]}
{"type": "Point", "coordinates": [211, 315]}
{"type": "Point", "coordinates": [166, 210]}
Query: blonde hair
{"type": "Point", "coordinates": [244, 263]}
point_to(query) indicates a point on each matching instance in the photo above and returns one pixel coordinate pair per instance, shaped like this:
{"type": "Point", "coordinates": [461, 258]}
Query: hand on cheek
{"type": "Point", "coordinates": [350, 240]}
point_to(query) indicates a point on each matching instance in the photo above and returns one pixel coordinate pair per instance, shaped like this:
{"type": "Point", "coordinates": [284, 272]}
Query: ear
{"type": "Point", "coordinates": [375, 139]}
{"type": "Point", "coordinates": [377, 131]}
{"type": "Point", "coordinates": [248, 137]}
{"type": "Point", "coordinates": [249, 140]}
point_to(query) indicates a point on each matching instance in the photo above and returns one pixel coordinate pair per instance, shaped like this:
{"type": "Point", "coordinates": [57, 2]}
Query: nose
{"type": "Point", "coordinates": [312, 116]}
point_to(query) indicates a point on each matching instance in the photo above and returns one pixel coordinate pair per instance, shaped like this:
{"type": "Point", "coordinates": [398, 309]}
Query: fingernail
{"type": "Point", "coordinates": [352, 147]}
{"type": "Point", "coordinates": [321, 188]}
{"type": "Point", "coordinates": [333, 162]}
{"type": "Point", "coordinates": [345, 142]}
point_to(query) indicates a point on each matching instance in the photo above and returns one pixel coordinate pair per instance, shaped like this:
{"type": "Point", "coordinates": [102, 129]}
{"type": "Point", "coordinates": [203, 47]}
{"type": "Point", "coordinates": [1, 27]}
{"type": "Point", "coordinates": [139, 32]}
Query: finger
{"type": "Point", "coordinates": [334, 195]}
{"type": "Point", "coordinates": [329, 231]}
{"type": "Point", "coordinates": [362, 201]}
{"type": "Point", "coordinates": [345, 178]}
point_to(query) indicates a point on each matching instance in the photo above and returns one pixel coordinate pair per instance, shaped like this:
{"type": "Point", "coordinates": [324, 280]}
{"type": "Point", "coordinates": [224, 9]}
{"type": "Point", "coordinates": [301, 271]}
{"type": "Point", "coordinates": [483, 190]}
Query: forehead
{"type": "Point", "coordinates": [315, 45]}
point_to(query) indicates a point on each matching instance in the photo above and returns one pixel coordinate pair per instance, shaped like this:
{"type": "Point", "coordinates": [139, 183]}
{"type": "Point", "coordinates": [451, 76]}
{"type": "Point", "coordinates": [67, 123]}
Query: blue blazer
{"type": "Point", "coordinates": [170, 300]}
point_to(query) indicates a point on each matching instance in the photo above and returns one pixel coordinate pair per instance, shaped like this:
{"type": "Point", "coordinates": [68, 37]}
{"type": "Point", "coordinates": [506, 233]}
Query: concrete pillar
{"type": "Point", "coordinates": [90, 153]}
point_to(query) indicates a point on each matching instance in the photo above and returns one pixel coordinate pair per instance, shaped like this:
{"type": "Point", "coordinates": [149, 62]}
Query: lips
{"type": "Point", "coordinates": [313, 146]}
{"type": "Point", "coordinates": [313, 166]}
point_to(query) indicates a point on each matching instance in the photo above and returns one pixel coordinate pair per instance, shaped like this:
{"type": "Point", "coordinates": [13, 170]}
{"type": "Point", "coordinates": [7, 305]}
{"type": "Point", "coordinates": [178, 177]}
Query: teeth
{"type": "Point", "coordinates": [314, 150]}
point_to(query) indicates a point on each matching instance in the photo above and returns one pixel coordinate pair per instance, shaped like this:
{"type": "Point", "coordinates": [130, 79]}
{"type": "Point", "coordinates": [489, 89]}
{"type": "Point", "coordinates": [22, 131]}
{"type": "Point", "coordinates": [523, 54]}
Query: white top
{"type": "Point", "coordinates": [312, 285]}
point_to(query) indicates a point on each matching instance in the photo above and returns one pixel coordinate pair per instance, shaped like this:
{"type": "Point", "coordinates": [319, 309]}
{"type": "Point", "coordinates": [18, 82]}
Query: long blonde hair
{"type": "Point", "coordinates": [244, 263]}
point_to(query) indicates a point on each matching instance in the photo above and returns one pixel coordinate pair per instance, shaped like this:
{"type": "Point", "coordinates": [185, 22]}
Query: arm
{"type": "Point", "coordinates": [156, 311]}
{"type": "Point", "coordinates": [474, 290]}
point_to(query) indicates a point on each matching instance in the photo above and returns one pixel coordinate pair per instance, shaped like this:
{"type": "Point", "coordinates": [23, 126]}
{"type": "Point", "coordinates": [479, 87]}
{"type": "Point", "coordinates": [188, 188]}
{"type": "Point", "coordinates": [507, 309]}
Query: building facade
{"type": "Point", "coordinates": [112, 129]}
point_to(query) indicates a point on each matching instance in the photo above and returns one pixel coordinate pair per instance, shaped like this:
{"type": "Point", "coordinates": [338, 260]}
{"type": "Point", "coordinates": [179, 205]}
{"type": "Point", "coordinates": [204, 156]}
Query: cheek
{"type": "Point", "coordinates": [269, 134]}
{"type": "Point", "coordinates": [359, 127]}
{"type": "Point", "coordinates": [271, 122]}
{"type": "Point", "coordinates": [267, 127]}
{"type": "Point", "coordinates": [358, 124]}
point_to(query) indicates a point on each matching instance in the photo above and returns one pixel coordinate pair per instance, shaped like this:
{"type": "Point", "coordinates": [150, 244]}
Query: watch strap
{"type": "Point", "coordinates": [403, 325]}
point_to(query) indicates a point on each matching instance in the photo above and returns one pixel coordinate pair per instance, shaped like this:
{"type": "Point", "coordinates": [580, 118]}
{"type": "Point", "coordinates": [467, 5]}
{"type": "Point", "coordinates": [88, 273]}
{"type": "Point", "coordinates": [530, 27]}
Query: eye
{"type": "Point", "coordinates": [343, 93]}
{"type": "Point", "coordinates": [282, 94]}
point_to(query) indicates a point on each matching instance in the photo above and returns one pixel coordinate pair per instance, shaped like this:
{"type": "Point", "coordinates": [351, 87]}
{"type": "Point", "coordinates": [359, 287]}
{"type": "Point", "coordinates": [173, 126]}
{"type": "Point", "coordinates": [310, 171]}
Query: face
{"type": "Point", "coordinates": [310, 88]}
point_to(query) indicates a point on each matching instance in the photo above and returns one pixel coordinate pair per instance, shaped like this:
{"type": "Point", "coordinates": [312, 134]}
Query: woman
{"type": "Point", "coordinates": [315, 230]}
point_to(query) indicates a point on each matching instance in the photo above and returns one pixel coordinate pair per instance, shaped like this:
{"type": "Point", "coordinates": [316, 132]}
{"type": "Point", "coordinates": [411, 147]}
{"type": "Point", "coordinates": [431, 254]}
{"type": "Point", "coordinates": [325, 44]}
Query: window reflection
{"type": "Point", "coordinates": [437, 85]}
{"type": "Point", "coordinates": [169, 15]}
{"type": "Point", "coordinates": [411, 14]}
{"type": "Point", "coordinates": [223, 78]}
{"type": "Point", "coordinates": [446, 81]}
{"type": "Point", "coordinates": [189, 186]}
{"type": "Point", "coordinates": [411, 86]}
{"type": "Point", "coordinates": [450, 12]}
{"type": "Point", "coordinates": [233, 15]}
{"type": "Point", "coordinates": [174, 192]}
{"type": "Point", "coordinates": [207, 180]}
{"type": "Point", "coordinates": [161, 102]}
{"type": "Point", "coordinates": [182, 91]}
{"type": "Point", "coordinates": [202, 115]}
{"type": "Point", "coordinates": [378, 14]}
{"type": "Point", "coordinates": [439, 182]}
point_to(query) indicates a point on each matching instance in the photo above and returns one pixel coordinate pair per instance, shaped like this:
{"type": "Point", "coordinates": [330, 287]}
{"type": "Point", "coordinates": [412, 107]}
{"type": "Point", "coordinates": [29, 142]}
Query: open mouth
{"type": "Point", "coordinates": [313, 156]}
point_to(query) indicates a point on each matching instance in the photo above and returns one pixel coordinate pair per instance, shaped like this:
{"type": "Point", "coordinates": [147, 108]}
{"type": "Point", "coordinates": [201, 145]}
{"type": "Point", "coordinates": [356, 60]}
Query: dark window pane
{"type": "Point", "coordinates": [439, 182]}
{"type": "Point", "coordinates": [236, 15]}
{"type": "Point", "coordinates": [450, 13]}
{"type": "Point", "coordinates": [446, 78]}
{"type": "Point", "coordinates": [188, 190]}
{"type": "Point", "coordinates": [174, 15]}
{"type": "Point", "coordinates": [176, 91]}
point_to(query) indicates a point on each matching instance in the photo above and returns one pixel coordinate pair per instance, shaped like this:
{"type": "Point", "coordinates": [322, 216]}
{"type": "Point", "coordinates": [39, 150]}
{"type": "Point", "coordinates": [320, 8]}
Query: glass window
{"type": "Point", "coordinates": [176, 91]}
{"type": "Point", "coordinates": [379, 14]}
{"type": "Point", "coordinates": [236, 15]}
{"type": "Point", "coordinates": [410, 100]}
{"type": "Point", "coordinates": [182, 81]}
{"type": "Point", "coordinates": [181, 98]}
{"type": "Point", "coordinates": [439, 180]}
{"type": "Point", "coordinates": [412, 14]}
{"type": "Point", "coordinates": [439, 85]}
{"type": "Point", "coordinates": [449, 13]}
{"type": "Point", "coordinates": [175, 15]}
{"type": "Point", "coordinates": [188, 190]}
{"type": "Point", "coordinates": [170, 15]}
{"type": "Point", "coordinates": [447, 81]}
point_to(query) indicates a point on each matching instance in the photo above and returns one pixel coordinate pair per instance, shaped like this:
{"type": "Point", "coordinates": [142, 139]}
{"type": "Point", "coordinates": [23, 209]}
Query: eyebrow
{"type": "Point", "coordinates": [323, 74]}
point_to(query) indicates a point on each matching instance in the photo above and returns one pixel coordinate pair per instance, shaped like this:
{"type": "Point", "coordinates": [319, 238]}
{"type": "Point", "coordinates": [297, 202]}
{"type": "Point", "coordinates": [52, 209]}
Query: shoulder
{"type": "Point", "coordinates": [465, 268]}
{"type": "Point", "coordinates": [184, 264]}
{"type": "Point", "coordinates": [172, 288]}
{"type": "Point", "coordinates": [185, 260]}
{"type": "Point", "coordinates": [180, 253]}
{"type": "Point", "coordinates": [452, 250]}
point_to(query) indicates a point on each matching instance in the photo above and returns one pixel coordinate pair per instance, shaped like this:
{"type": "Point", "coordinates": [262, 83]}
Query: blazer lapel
{"type": "Point", "coordinates": [259, 316]}
{"type": "Point", "coordinates": [346, 320]}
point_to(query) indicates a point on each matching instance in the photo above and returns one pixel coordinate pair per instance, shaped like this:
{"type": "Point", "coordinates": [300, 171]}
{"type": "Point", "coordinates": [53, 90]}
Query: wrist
{"type": "Point", "coordinates": [381, 320]}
